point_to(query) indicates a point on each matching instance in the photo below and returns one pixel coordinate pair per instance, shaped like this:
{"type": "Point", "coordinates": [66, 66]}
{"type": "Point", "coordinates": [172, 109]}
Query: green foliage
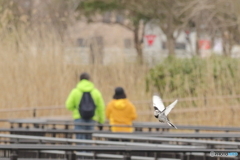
{"type": "Point", "coordinates": [101, 5]}
{"type": "Point", "coordinates": [129, 10]}
{"type": "Point", "coordinates": [91, 7]}
{"type": "Point", "coordinates": [195, 77]}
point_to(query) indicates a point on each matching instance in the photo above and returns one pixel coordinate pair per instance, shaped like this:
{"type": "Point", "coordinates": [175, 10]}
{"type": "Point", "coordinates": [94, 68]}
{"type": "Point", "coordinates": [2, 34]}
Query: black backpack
{"type": "Point", "coordinates": [86, 106]}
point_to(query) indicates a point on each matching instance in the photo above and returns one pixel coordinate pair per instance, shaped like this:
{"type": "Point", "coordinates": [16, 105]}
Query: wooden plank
{"type": "Point", "coordinates": [160, 139]}
{"type": "Point", "coordinates": [104, 148]}
{"type": "Point", "coordinates": [35, 159]}
{"type": "Point", "coordinates": [66, 140]}
{"type": "Point", "coordinates": [104, 155]}
{"type": "Point", "coordinates": [162, 134]}
{"type": "Point", "coordinates": [152, 125]}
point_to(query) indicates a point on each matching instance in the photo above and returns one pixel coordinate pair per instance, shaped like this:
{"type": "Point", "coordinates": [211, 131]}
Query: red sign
{"type": "Point", "coordinates": [204, 44]}
{"type": "Point", "coordinates": [150, 39]}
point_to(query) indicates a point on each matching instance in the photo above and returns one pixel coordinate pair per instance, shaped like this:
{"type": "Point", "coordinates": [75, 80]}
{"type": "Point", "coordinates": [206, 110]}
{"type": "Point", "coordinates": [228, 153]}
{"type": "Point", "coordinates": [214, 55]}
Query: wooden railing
{"type": "Point", "coordinates": [34, 110]}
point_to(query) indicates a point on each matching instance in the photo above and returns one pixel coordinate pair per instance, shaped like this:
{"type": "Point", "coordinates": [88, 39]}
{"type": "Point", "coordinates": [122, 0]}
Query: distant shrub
{"type": "Point", "coordinates": [195, 77]}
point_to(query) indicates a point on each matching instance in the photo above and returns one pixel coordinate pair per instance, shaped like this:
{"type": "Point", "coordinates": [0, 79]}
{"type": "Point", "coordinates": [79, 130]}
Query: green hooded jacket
{"type": "Point", "coordinates": [75, 96]}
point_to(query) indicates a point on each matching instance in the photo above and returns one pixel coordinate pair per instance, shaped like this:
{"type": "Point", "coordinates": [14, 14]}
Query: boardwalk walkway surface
{"type": "Point", "coordinates": [54, 139]}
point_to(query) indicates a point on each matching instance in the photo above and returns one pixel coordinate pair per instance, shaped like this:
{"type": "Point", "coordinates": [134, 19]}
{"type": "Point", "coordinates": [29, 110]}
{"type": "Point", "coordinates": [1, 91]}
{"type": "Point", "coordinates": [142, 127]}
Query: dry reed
{"type": "Point", "coordinates": [34, 74]}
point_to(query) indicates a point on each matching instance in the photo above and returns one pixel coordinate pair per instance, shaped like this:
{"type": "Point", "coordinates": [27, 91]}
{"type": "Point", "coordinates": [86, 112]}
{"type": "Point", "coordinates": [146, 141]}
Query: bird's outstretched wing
{"type": "Point", "coordinates": [170, 107]}
{"type": "Point", "coordinates": [157, 103]}
{"type": "Point", "coordinates": [170, 124]}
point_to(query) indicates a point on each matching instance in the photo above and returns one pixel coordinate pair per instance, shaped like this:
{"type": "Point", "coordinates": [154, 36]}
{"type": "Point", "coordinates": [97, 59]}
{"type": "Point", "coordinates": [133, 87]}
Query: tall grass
{"type": "Point", "coordinates": [34, 73]}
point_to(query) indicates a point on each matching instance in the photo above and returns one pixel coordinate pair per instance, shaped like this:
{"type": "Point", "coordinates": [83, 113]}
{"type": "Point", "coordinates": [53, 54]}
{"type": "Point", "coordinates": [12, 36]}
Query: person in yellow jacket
{"type": "Point", "coordinates": [120, 111]}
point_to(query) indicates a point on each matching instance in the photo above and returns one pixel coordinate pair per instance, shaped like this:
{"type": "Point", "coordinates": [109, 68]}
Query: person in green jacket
{"type": "Point", "coordinates": [73, 100]}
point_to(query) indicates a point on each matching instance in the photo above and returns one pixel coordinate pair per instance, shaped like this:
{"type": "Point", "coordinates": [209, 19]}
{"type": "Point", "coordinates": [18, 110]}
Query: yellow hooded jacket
{"type": "Point", "coordinates": [121, 112]}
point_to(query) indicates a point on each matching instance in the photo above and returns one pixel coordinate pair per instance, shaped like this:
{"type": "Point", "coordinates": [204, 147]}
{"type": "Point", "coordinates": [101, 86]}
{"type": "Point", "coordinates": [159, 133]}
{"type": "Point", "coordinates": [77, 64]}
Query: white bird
{"type": "Point", "coordinates": [160, 112]}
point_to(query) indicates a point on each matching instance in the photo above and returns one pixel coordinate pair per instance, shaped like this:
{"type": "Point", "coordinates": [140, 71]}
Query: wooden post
{"type": "Point", "coordinates": [70, 155]}
{"type": "Point", "coordinates": [155, 155]}
{"type": "Point", "coordinates": [127, 156]}
{"type": "Point", "coordinates": [34, 112]}
{"type": "Point", "coordinates": [66, 128]}
{"type": "Point", "coordinates": [14, 156]}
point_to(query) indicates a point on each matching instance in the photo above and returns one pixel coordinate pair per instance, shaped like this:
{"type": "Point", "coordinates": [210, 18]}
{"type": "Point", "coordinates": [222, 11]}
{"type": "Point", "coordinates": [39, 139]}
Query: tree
{"type": "Point", "coordinates": [210, 17]}
{"type": "Point", "coordinates": [135, 19]}
{"type": "Point", "coordinates": [171, 17]}
{"type": "Point", "coordinates": [217, 19]}
{"type": "Point", "coordinates": [29, 13]}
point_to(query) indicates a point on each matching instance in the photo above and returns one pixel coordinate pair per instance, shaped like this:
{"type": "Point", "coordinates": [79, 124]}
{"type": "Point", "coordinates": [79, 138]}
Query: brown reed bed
{"type": "Point", "coordinates": [34, 74]}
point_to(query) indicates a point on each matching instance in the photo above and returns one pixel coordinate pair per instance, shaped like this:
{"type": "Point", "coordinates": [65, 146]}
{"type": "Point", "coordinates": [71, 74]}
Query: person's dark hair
{"type": "Point", "coordinates": [119, 93]}
{"type": "Point", "coordinates": [84, 76]}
